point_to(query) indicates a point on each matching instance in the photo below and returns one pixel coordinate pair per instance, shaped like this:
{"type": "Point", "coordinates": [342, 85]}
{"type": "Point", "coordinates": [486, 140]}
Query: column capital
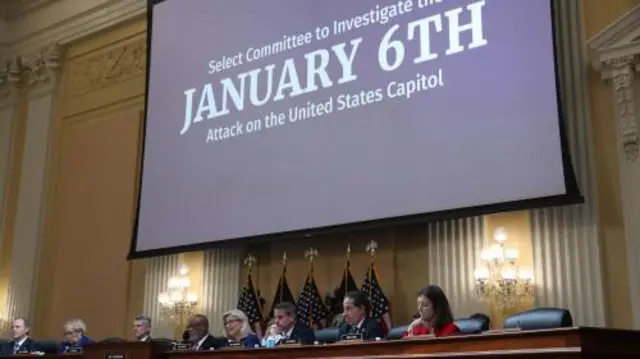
{"type": "Point", "coordinates": [42, 68]}
{"type": "Point", "coordinates": [623, 76]}
{"type": "Point", "coordinates": [10, 78]}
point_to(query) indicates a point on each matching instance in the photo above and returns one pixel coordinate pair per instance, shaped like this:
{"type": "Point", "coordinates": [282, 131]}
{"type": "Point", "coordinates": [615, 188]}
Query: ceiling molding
{"type": "Point", "coordinates": [73, 19]}
{"type": "Point", "coordinates": [17, 8]}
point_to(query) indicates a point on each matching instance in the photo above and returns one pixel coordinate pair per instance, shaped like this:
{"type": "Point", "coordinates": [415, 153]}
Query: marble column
{"type": "Point", "coordinates": [9, 80]}
{"type": "Point", "coordinates": [616, 55]}
{"type": "Point", "coordinates": [40, 76]}
{"type": "Point", "coordinates": [566, 251]}
{"type": "Point", "coordinates": [627, 100]}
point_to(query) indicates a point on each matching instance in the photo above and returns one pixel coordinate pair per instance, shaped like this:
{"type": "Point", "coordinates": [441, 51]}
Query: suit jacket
{"type": "Point", "coordinates": [213, 343]}
{"type": "Point", "coordinates": [147, 339]}
{"type": "Point", "coordinates": [250, 341]}
{"type": "Point", "coordinates": [302, 334]}
{"type": "Point", "coordinates": [29, 345]}
{"type": "Point", "coordinates": [370, 330]}
{"type": "Point", "coordinates": [65, 346]}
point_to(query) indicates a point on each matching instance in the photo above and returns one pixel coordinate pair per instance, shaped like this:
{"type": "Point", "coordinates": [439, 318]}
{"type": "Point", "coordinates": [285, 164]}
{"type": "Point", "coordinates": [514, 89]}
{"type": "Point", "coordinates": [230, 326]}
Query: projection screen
{"type": "Point", "coordinates": [289, 117]}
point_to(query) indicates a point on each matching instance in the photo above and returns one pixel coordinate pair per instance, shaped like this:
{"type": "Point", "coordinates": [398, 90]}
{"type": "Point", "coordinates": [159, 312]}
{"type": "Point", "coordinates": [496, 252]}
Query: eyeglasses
{"type": "Point", "coordinates": [231, 321]}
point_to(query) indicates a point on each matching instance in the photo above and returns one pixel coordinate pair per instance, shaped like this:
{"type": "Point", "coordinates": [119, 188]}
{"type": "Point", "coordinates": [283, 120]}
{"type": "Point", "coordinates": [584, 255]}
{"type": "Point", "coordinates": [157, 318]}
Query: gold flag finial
{"type": "Point", "coordinates": [371, 247]}
{"type": "Point", "coordinates": [249, 261]}
{"type": "Point", "coordinates": [311, 254]}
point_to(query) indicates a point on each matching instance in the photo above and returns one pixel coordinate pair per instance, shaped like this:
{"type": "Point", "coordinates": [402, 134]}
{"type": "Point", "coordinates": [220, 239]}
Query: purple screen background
{"type": "Point", "coordinates": [489, 135]}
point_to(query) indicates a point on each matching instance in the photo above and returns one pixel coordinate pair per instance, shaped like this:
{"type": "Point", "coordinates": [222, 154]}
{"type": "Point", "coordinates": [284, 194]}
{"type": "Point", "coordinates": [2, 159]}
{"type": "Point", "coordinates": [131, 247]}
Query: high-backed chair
{"type": "Point", "coordinates": [540, 318]}
{"type": "Point", "coordinates": [327, 335]}
{"type": "Point", "coordinates": [396, 333]}
{"type": "Point", "coordinates": [471, 325]}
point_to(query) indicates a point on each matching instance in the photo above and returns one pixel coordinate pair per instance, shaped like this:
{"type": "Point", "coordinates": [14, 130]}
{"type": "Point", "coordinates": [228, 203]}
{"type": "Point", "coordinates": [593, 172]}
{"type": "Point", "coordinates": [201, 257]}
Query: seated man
{"type": "Point", "coordinates": [142, 328]}
{"type": "Point", "coordinates": [21, 343]}
{"type": "Point", "coordinates": [199, 336]}
{"type": "Point", "coordinates": [357, 322]}
{"type": "Point", "coordinates": [290, 329]}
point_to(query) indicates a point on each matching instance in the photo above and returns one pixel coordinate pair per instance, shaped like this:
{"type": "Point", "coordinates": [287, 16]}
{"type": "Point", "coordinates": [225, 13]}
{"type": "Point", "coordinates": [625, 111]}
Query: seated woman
{"type": "Point", "coordinates": [74, 330]}
{"type": "Point", "coordinates": [435, 314]}
{"type": "Point", "coordinates": [238, 329]}
{"type": "Point", "coordinates": [356, 309]}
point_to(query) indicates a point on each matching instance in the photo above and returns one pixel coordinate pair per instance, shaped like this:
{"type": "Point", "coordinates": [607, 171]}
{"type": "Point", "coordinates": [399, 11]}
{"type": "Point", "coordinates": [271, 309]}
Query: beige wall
{"type": "Point", "coordinates": [93, 177]}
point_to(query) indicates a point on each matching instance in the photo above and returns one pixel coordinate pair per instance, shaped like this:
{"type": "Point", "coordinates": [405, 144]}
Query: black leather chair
{"type": "Point", "coordinates": [471, 325]}
{"type": "Point", "coordinates": [540, 318]}
{"type": "Point", "coordinates": [396, 333]}
{"type": "Point", "coordinates": [327, 335]}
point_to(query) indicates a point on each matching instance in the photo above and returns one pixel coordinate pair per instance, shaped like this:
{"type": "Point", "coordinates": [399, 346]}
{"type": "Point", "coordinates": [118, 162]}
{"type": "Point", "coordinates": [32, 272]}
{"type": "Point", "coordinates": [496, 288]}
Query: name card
{"type": "Point", "coordinates": [74, 350]}
{"type": "Point", "coordinates": [233, 344]}
{"type": "Point", "coordinates": [114, 356]}
{"type": "Point", "coordinates": [352, 337]}
{"type": "Point", "coordinates": [182, 346]}
{"type": "Point", "coordinates": [290, 343]}
{"type": "Point", "coordinates": [23, 352]}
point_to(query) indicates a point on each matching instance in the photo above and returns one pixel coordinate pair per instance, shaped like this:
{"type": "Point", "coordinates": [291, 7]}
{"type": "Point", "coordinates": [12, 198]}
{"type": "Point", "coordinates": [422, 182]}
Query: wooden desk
{"type": "Point", "coordinates": [583, 341]}
{"type": "Point", "coordinates": [126, 350]}
{"type": "Point", "coordinates": [559, 353]}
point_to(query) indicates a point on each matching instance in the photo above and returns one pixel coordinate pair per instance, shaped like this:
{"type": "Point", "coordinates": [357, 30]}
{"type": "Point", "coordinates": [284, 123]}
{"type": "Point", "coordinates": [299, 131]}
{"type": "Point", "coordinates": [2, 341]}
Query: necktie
{"type": "Point", "coordinates": [16, 347]}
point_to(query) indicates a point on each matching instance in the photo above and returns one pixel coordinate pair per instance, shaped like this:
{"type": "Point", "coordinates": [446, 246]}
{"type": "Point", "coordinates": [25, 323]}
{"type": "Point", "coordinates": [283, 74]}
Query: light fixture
{"type": "Point", "coordinates": [500, 281]}
{"type": "Point", "coordinates": [177, 302]}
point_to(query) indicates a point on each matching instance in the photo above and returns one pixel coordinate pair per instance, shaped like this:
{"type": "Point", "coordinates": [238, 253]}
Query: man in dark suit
{"type": "Point", "coordinates": [199, 336]}
{"type": "Point", "coordinates": [357, 323]}
{"type": "Point", "coordinates": [142, 328]}
{"type": "Point", "coordinates": [21, 343]}
{"type": "Point", "coordinates": [291, 330]}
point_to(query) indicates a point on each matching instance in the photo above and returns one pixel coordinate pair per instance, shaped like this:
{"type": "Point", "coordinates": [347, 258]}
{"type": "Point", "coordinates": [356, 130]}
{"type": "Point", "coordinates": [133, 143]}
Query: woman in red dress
{"type": "Point", "coordinates": [435, 314]}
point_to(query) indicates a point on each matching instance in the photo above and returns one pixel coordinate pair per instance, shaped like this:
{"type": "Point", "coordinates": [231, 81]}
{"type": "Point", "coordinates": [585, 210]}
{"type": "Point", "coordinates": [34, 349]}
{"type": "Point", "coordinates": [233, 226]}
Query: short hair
{"type": "Point", "coordinates": [75, 325]}
{"type": "Point", "coordinates": [360, 300]}
{"type": "Point", "coordinates": [246, 327]}
{"type": "Point", "coordinates": [26, 321]}
{"type": "Point", "coordinates": [288, 308]}
{"type": "Point", "coordinates": [144, 319]}
{"type": "Point", "coordinates": [441, 308]}
{"type": "Point", "coordinates": [202, 318]}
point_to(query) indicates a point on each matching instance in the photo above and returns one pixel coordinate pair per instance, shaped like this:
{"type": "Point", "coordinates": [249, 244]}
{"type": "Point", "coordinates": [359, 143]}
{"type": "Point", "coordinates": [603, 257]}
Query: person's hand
{"type": "Point", "coordinates": [416, 323]}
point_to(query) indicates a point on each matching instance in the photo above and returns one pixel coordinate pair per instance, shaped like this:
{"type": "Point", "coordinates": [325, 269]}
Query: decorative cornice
{"type": "Point", "coordinates": [38, 71]}
{"type": "Point", "coordinates": [10, 76]}
{"type": "Point", "coordinates": [108, 68]}
{"type": "Point", "coordinates": [618, 41]}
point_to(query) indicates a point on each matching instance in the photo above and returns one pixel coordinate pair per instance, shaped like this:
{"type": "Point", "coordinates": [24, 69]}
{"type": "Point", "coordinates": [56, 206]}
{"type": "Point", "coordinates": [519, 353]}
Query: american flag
{"type": "Point", "coordinates": [249, 303]}
{"type": "Point", "coordinates": [379, 302]}
{"type": "Point", "coordinates": [283, 292]}
{"type": "Point", "coordinates": [311, 308]}
{"type": "Point", "coordinates": [347, 284]}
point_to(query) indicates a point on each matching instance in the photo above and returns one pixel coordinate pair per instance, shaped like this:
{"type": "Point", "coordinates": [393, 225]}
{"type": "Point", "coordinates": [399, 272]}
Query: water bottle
{"type": "Point", "coordinates": [270, 343]}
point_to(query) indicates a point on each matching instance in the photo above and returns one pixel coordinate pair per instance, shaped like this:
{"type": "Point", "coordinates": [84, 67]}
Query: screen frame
{"type": "Point", "coordinates": [573, 195]}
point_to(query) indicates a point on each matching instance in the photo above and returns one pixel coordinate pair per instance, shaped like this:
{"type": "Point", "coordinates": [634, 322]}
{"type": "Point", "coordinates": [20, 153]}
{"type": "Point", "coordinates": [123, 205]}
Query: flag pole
{"type": "Point", "coordinates": [371, 248]}
{"type": "Point", "coordinates": [346, 270]}
{"type": "Point", "coordinates": [282, 277]}
{"type": "Point", "coordinates": [310, 254]}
